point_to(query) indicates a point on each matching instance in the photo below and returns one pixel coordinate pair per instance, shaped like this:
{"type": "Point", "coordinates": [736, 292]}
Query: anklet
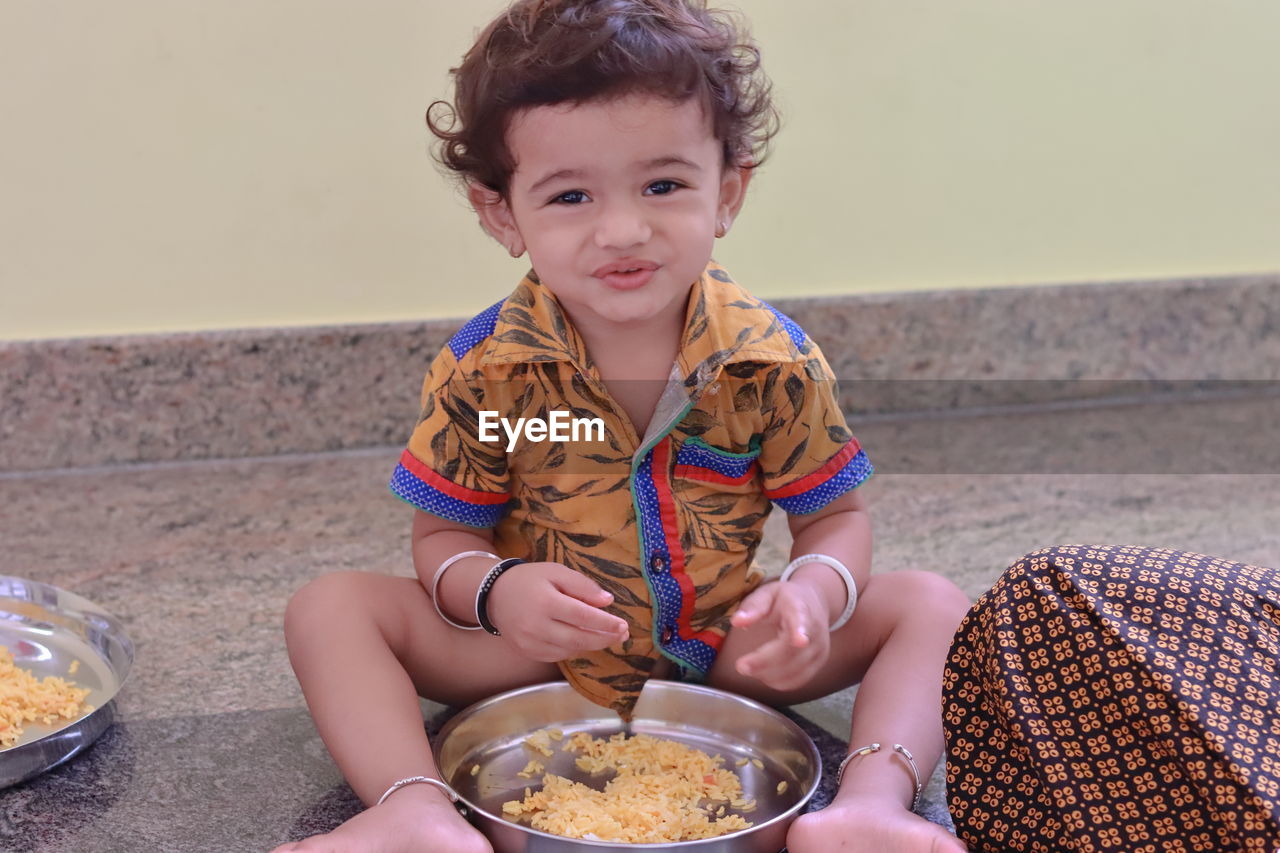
{"type": "Point", "coordinates": [875, 747]}
{"type": "Point", "coordinates": [453, 798]}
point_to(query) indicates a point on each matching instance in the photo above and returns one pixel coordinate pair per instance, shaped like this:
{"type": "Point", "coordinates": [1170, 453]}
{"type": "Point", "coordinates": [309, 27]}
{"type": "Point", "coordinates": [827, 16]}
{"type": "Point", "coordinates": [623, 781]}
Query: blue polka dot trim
{"type": "Point", "coordinates": [475, 330]}
{"type": "Point", "coordinates": [696, 452]}
{"type": "Point", "coordinates": [693, 655]}
{"type": "Point", "coordinates": [853, 474]}
{"type": "Point", "coordinates": [409, 488]}
{"type": "Point", "coordinates": [668, 598]}
{"type": "Point", "coordinates": [793, 329]}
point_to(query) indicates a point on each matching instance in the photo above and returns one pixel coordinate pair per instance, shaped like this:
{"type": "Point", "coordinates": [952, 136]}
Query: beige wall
{"type": "Point", "coordinates": [186, 164]}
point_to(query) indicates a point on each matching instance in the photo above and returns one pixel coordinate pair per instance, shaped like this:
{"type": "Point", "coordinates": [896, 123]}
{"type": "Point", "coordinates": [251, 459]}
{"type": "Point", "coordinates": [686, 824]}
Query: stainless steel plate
{"type": "Point", "coordinates": [491, 735]}
{"type": "Point", "coordinates": [46, 628]}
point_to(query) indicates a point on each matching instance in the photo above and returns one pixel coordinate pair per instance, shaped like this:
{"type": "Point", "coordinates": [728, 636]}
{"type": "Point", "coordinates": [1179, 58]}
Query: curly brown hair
{"type": "Point", "coordinates": [542, 52]}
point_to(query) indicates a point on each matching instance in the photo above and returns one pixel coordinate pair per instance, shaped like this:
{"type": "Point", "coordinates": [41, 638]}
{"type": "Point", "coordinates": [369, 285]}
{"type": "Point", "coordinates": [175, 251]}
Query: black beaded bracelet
{"type": "Point", "coordinates": [482, 594]}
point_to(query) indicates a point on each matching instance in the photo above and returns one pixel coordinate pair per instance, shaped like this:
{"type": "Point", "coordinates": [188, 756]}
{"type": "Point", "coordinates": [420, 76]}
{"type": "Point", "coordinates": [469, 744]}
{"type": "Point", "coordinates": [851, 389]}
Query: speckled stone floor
{"type": "Point", "coordinates": [214, 749]}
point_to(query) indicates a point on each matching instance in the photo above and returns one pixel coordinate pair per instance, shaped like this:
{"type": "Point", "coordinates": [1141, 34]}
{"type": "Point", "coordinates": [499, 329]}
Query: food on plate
{"type": "Point", "coordinates": [533, 768]}
{"type": "Point", "coordinates": [663, 791]}
{"type": "Point", "coordinates": [540, 741]}
{"type": "Point", "coordinates": [25, 699]}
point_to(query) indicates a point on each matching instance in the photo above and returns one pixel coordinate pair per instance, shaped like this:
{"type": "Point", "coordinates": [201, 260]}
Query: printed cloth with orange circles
{"type": "Point", "coordinates": [1117, 698]}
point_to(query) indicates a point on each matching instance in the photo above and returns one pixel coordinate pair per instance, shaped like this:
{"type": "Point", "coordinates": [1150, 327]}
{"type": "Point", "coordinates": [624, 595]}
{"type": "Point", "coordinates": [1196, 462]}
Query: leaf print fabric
{"type": "Point", "coordinates": [667, 522]}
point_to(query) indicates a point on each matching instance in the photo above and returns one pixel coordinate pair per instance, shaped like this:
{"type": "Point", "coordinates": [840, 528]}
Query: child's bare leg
{"type": "Point", "coordinates": [896, 645]}
{"type": "Point", "coordinates": [364, 646]}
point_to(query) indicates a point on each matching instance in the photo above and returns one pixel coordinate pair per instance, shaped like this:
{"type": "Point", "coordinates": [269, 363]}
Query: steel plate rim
{"type": "Point", "coordinates": [89, 613]}
{"type": "Point", "coordinates": [692, 844]}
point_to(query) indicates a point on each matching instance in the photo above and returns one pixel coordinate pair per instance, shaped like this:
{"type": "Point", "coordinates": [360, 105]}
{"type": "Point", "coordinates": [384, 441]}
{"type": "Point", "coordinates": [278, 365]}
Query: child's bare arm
{"type": "Point", "coordinates": [546, 611]}
{"type": "Point", "coordinates": [802, 609]}
{"type": "Point", "coordinates": [436, 540]}
{"type": "Point", "coordinates": [841, 529]}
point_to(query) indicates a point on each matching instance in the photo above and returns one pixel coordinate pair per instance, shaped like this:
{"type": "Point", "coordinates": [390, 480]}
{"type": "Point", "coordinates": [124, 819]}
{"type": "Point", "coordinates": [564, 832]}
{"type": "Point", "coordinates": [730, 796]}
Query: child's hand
{"type": "Point", "coordinates": [796, 617]}
{"type": "Point", "coordinates": [549, 612]}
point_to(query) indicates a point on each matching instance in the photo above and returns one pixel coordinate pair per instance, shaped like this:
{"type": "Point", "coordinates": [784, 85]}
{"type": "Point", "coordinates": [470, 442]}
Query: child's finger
{"type": "Point", "coordinates": [581, 587]}
{"type": "Point", "coordinates": [581, 615]}
{"type": "Point", "coordinates": [756, 606]}
{"type": "Point", "coordinates": [570, 639]}
{"type": "Point", "coordinates": [765, 658]}
{"type": "Point", "coordinates": [788, 668]}
{"type": "Point", "coordinates": [794, 623]}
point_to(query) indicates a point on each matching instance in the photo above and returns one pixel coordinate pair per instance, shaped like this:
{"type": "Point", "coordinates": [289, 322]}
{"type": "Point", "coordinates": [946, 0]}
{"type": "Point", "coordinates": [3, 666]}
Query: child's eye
{"type": "Point", "coordinates": [572, 197]}
{"type": "Point", "coordinates": [664, 187]}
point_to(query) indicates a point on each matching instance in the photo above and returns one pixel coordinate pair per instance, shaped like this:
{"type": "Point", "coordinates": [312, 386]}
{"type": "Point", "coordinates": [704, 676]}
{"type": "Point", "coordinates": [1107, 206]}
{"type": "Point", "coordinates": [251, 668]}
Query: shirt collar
{"type": "Point", "coordinates": [723, 324]}
{"type": "Point", "coordinates": [531, 326]}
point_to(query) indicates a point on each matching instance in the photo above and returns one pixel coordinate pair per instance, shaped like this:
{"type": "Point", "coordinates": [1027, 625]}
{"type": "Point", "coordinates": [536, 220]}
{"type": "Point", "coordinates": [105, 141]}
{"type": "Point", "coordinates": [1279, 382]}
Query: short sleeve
{"type": "Point", "coordinates": [446, 470]}
{"type": "Point", "coordinates": [808, 456]}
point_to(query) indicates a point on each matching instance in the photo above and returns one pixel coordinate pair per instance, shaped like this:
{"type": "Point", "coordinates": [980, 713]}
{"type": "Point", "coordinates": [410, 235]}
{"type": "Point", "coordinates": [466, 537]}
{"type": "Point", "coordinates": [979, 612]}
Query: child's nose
{"type": "Point", "coordinates": [622, 226]}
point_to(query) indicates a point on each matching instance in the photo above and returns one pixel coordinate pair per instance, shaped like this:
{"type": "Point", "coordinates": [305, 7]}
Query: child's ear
{"type": "Point", "coordinates": [495, 217]}
{"type": "Point", "coordinates": [733, 192]}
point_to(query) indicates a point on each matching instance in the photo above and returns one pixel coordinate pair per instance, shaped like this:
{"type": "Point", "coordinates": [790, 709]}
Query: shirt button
{"type": "Point", "coordinates": [657, 563]}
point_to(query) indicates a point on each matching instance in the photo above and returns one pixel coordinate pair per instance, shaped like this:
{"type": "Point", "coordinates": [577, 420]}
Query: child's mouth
{"type": "Point", "coordinates": [627, 279]}
{"type": "Point", "coordinates": [627, 274]}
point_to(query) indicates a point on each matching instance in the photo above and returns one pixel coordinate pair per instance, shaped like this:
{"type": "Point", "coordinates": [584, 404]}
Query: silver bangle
{"type": "Point", "coordinates": [448, 792]}
{"type": "Point", "coordinates": [850, 588]}
{"type": "Point", "coordinates": [435, 585]}
{"type": "Point", "coordinates": [875, 747]}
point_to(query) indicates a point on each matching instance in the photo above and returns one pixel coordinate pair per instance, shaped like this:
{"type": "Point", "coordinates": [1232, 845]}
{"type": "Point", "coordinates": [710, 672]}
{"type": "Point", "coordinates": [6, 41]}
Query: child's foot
{"type": "Point", "coordinates": [416, 818]}
{"type": "Point", "coordinates": [869, 824]}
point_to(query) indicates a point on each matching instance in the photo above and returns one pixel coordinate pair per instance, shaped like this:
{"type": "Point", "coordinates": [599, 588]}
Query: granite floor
{"type": "Point", "coordinates": [213, 749]}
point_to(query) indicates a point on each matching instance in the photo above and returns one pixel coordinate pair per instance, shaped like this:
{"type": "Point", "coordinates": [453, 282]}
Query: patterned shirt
{"type": "Point", "coordinates": [667, 522]}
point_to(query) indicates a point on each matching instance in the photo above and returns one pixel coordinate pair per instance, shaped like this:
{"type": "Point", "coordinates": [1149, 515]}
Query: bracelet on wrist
{"type": "Point", "coordinates": [486, 586]}
{"type": "Point", "coordinates": [900, 750]}
{"type": "Point", "coordinates": [396, 786]}
{"type": "Point", "coordinates": [435, 586]}
{"type": "Point", "coordinates": [851, 589]}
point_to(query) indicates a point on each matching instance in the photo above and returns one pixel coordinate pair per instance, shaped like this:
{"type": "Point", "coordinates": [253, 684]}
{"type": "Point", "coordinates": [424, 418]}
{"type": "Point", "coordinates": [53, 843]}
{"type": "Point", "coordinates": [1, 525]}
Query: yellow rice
{"type": "Point", "coordinates": [540, 741]}
{"type": "Point", "coordinates": [25, 699]}
{"type": "Point", "coordinates": [533, 768]}
{"type": "Point", "coordinates": [663, 791]}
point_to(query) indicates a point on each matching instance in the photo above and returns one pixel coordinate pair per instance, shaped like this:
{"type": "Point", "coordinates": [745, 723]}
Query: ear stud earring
{"type": "Point", "coordinates": [721, 228]}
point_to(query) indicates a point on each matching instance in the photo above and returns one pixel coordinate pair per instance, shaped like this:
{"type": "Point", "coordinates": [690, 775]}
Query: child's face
{"type": "Point", "coordinates": [631, 182]}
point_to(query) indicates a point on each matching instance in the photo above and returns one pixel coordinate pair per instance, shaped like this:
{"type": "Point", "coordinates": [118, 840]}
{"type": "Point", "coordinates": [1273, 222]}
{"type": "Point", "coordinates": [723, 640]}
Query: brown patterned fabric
{"type": "Point", "coordinates": [1118, 698]}
{"type": "Point", "coordinates": [667, 522]}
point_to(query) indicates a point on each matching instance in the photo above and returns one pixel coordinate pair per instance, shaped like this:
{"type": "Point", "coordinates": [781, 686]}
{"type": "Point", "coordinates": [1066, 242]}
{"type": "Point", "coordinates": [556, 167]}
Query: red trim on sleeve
{"type": "Point", "coordinates": [817, 478]}
{"type": "Point", "coordinates": [419, 469]}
